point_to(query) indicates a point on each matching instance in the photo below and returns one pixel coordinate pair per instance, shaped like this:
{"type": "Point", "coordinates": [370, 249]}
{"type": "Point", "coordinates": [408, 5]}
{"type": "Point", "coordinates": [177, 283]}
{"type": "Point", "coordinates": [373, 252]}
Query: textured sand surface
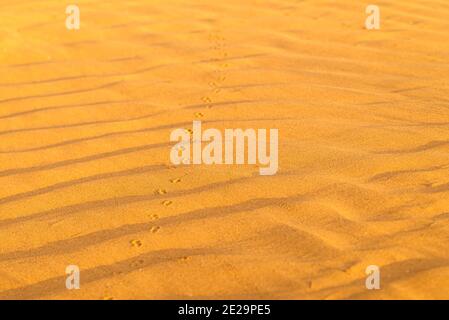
{"type": "Point", "coordinates": [85, 177]}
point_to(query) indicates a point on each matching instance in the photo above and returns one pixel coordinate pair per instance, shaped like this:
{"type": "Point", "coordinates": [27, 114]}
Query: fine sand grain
{"type": "Point", "coordinates": [86, 179]}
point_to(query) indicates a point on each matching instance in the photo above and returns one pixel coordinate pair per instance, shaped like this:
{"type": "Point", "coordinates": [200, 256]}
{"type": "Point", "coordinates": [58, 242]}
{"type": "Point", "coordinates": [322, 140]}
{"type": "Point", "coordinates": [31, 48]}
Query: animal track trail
{"type": "Point", "coordinates": [218, 47]}
{"type": "Point", "coordinates": [168, 203]}
{"type": "Point", "coordinates": [220, 52]}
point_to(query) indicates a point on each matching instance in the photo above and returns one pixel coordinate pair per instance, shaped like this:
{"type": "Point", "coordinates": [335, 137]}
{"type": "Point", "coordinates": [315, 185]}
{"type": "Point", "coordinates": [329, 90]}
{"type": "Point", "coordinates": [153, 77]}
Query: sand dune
{"type": "Point", "coordinates": [85, 120]}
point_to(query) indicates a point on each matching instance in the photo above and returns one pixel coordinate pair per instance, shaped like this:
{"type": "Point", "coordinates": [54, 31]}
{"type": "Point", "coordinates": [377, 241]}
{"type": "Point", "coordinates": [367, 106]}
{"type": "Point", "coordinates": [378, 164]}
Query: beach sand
{"type": "Point", "coordinates": [86, 178]}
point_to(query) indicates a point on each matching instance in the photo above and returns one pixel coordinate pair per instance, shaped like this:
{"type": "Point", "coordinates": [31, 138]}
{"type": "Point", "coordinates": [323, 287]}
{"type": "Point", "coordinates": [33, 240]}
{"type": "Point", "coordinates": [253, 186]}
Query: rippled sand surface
{"type": "Point", "coordinates": [85, 176]}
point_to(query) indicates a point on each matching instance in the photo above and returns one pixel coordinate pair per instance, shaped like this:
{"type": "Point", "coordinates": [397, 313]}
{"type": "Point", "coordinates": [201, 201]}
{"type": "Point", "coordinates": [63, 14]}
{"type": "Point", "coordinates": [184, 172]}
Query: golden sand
{"type": "Point", "coordinates": [85, 175]}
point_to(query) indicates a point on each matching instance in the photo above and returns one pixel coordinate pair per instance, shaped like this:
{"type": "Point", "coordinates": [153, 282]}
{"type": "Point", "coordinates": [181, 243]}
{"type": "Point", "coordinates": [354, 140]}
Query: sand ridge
{"type": "Point", "coordinates": [85, 119]}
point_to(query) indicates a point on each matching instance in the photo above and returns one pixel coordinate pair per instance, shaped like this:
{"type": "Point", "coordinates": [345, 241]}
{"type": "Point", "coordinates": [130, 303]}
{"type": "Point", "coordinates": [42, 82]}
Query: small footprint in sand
{"type": "Point", "coordinates": [154, 217]}
{"type": "Point", "coordinates": [190, 131]}
{"type": "Point", "coordinates": [285, 206]}
{"type": "Point", "coordinates": [136, 243]}
{"type": "Point", "coordinates": [160, 191]}
{"type": "Point", "coordinates": [199, 115]}
{"type": "Point", "coordinates": [137, 263]}
{"type": "Point", "coordinates": [176, 180]}
{"type": "Point", "coordinates": [167, 203]}
{"type": "Point", "coordinates": [154, 229]}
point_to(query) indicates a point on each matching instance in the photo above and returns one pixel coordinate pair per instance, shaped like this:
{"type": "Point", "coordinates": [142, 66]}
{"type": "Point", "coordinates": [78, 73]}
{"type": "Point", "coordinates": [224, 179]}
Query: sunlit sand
{"type": "Point", "coordinates": [85, 171]}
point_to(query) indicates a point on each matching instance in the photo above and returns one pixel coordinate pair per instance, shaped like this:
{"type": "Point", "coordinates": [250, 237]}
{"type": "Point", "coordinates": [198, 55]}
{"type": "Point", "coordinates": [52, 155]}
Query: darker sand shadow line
{"type": "Point", "coordinates": [231, 58]}
{"type": "Point", "coordinates": [409, 89]}
{"type": "Point", "coordinates": [126, 25]}
{"type": "Point", "coordinates": [31, 64]}
{"type": "Point", "coordinates": [390, 273]}
{"type": "Point", "coordinates": [133, 58]}
{"type": "Point", "coordinates": [57, 284]}
{"type": "Point", "coordinates": [253, 85]}
{"type": "Point", "coordinates": [427, 125]}
{"type": "Point", "coordinates": [409, 100]}
{"type": "Point", "coordinates": [441, 216]}
{"type": "Point", "coordinates": [436, 189]}
{"type": "Point", "coordinates": [95, 238]}
{"type": "Point", "coordinates": [59, 94]}
{"type": "Point", "coordinates": [35, 26]}
{"type": "Point", "coordinates": [391, 174]}
{"type": "Point", "coordinates": [222, 103]}
{"type": "Point", "coordinates": [74, 182]}
{"type": "Point", "coordinates": [77, 43]}
{"type": "Point", "coordinates": [67, 106]}
{"type": "Point", "coordinates": [68, 78]}
{"type": "Point", "coordinates": [375, 103]}
{"type": "Point", "coordinates": [54, 165]}
{"type": "Point", "coordinates": [52, 80]}
{"type": "Point", "coordinates": [79, 77]}
{"type": "Point", "coordinates": [88, 123]}
{"type": "Point", "coordinates": [424, 147]}
{"type": "Point", "coordinates": [408, 124]}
